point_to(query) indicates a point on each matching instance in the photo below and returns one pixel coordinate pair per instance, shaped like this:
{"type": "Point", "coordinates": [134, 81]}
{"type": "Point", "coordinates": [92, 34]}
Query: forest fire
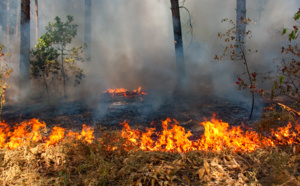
{"type": "Point", "coordinates": [124, 92]}
{"type": "Point", "coordinates": [29, 133]}
{"type": "Point", "coordinates": [218, 136]}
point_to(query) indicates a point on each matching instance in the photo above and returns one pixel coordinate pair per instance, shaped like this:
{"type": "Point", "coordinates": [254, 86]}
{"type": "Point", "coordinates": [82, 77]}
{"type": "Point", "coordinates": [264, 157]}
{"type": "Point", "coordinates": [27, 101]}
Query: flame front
{"type": "Point", "coordinates": [124, 92]}
{"type": "Point", "coordinates": [218, 136]}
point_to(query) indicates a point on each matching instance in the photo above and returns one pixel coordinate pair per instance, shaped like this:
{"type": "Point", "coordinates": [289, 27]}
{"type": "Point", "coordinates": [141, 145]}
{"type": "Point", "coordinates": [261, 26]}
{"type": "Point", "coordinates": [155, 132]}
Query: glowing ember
{"type": "Point", "coordinates": [124, 92]}
{"type": "Point", "coordinates": [218, 136]}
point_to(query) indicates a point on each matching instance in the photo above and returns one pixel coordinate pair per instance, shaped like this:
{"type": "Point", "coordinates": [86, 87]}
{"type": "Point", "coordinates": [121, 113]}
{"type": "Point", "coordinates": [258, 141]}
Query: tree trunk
{"type": "Point", "coordinates": [3, 15]}
{"type": "Point", "coordinates": [8, 22]}
{"type": "Point", "coordinates": [24, 81]}
{"type": "Point", "coordinates": [88, 28]}
{"type": "Point", "coordinates": [63, 73]}
{"type": "Point", "coordinates": [180, 66]}
{"type": "Point", "coordinates": [17, 20]}
{"type": "Point", "coordinates": [240, 26]}
{"type": "Point", "coordinates": [261, 9]}
{"type": "Point", "coordinates": [36, 17]}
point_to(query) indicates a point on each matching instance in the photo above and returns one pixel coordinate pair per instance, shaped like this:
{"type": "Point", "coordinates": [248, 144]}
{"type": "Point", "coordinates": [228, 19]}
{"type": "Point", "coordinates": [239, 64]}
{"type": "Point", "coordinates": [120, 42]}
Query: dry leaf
{"type": "Point", "coordinates": [187, 179]}
{"type": "Point", "coordinates": [206, 166]}
{"type": "Point", "coordinates": [219, 168]}
{"type": "Point", "coordinates": [152, 182]}
{"type": "Point", "coordinates": [138, 182]}
{"type": "Point", "coordinates": [201, 173]}
{"type": "Point", "coordinates": [206, 178]}
{"type": "Point", "coordinates": [161, 183]}
{"type": "Point", "coordinates": [214, 162]}
{"type": "Point", "coordinates": [296, 149]}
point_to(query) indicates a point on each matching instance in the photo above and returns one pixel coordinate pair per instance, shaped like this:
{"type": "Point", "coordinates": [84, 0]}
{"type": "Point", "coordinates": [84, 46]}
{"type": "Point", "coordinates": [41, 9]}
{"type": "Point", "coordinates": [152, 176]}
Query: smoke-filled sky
{"type": "Point", "coordinates": [132, 41]}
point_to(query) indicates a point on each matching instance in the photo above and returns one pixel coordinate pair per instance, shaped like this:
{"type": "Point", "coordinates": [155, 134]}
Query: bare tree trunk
{"type": "Point", "coordinates": [180, 66]}
{"type": "Point", "coordinates": [2, 16]}
{"type": "Point", "coordinates": [240, 26]}
{"type": "Point", "coordinates": [17, 20]}
{"type": "Point", "coordinates": [261, 9]}
{"type": "Point", "coordinates": [52, 7]}
{"type": "Point", "coordinates": [88, 28]}
{"type": "Point", "coordinates": [36, 16]}
{"type": "Point", "coordinates": [8, 22]}
{"type": "Point", "coordinates": [24, 81]}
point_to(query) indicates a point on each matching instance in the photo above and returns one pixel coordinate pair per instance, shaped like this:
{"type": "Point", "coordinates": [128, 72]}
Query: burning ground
{"type": "Point", "coordinates": [175, 147]}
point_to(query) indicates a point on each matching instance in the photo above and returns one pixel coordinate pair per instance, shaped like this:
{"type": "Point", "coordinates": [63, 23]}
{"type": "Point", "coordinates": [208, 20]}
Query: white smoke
{"type": "Point", "coordinates": [132, 41]}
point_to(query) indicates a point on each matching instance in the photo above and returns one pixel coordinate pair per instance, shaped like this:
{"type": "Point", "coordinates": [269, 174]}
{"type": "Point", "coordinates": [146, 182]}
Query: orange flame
{"type": "Point", "coordinates": [218, 136]}
{"type": "Point", "coordinates": [124, 92]}
{"type": "Point", "coordinates": [22, 134]}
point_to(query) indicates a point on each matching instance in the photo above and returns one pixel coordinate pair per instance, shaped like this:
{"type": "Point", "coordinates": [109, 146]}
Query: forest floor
{"type": "Point", "coordinates": [75, 162]}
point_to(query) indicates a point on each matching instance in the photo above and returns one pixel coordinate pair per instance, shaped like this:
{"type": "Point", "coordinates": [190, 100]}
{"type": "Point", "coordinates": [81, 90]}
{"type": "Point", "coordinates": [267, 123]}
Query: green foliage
{"type": "Point", "coordinates": [53, 55]}
{"type": "Point", "coordinates": [287, 78]}
{"type": "Point", "coordinates": [5, 71]}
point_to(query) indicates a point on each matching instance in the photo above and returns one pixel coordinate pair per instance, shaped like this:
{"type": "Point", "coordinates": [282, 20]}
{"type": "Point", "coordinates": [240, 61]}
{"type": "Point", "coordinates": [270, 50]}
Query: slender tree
{"type": "Point", "coordinates": [24, 81]}
{"type": "Point", "coordinates": [36, 17]}
{"type": "Point", "coordinates": [180, 66]}
{"type": "Point", "coordinates": [240, 26]}
{"type": "Point", "coordinates": [3, 7]}
{"type": "Point", "coordinates": [88, 28]}
{"type": "Point", "coordinates": [241, 51]}
{"type": "Point", "coordinates": [261, 8]}
{"type": "Point", "coordinates": [17, 23]}
{"type": "Point", "coordinates": [8, 22]}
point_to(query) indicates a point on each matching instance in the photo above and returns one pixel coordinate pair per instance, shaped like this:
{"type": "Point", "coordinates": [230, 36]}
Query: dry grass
{"type": "Point", "coordinates": [78, 163]}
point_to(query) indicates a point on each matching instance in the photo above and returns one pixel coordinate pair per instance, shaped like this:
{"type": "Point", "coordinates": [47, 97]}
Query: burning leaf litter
{"type": "Point", "coordinates": [124, 92]}
{"type": "Point", "coordinates": [218, 136]}
{"type": "Point", "coordinates": [223, 156]}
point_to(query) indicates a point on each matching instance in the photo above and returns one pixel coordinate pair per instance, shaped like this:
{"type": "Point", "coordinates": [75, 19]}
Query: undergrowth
{"type": "Point", "coordinates": [78, 163]}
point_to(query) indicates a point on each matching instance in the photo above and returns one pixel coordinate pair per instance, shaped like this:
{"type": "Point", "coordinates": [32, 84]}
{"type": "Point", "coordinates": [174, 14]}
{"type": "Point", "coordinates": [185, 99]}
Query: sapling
{"type": "Point", "coordinates": [235, 50]}
{"type": "Point", "coordinates": [287, 80]}
{"type": "Point", "coordinates": [5, 71]}
{"type": "Point", "coordinates": [55, 55]}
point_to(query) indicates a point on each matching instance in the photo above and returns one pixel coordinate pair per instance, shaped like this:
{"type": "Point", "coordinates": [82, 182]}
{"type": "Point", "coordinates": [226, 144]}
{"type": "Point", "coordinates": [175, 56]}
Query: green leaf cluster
{"type": "Point", "coordinates": [54, 54]}
{"type": "Point", "coordinates": [287, 80]}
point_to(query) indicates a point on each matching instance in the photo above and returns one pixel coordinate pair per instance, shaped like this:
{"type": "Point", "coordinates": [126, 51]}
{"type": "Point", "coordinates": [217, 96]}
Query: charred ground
{"type": "Point", "coordinates": [140, 111]}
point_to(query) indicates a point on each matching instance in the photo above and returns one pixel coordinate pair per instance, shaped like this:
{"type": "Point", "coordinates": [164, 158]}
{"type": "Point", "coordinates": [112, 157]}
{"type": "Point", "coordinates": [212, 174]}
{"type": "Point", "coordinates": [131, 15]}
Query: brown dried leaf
{"type": "Point", "coordinates": [296, 149]}
{"type": "Point", "coordinates": [195, 167]}
{"type": "Point", "coordinates": [191, 162]}
{"type": "Point", "coordinates": [219, 168]}
{"type": "Point", "coordinates": [244, 178]}
{"type": "Point", "coordinates": [201, 173]}
{"type": "Point", "coordinates": [214, 162]}
{"type": "Point", "coordinates": [206, 178]}
{"type": "Point", "coordinates": [139, 182]}
{"type": "Point", "coordinates": [206, 166]}
{"type": "Point", "coordinates": [152, 182]}
{"type": "Point", "coordinates": [187, 179]}
{"type": "Point", "coordinates": [125, 160]}
{"type": "Point", "coordinates": [168, 167]}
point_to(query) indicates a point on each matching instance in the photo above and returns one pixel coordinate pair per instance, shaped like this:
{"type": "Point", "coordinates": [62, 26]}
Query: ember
{"type": "Point", "coordinates": [218, 136]}
{"type": "Point", "coordinates": [125, 92]}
